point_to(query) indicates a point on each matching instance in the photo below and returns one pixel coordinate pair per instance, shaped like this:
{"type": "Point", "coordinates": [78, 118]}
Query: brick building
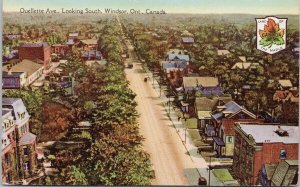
{"type": "Point", "coordinates": [222, 120]}
{"type": "Point", "coordinates": [34, 51]}
{"type": "Point", "coordinates": [19, 145]}
{"type": "Point", "coordinates": [9, 170]}
{"type": "Point", "coordinates": [260, 144]}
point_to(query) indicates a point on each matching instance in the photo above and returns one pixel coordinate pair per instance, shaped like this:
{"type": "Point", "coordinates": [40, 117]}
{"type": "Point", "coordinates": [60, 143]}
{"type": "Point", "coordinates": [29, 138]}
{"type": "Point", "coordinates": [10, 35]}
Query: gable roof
{"type": "Point", "coordinates": [200, 81]}
{"type": "Point", "coordinates": [231, 109]}
{"type": "Point", "coordinates": [207, 104]}
{"type": "Point", "coordinates": [178, 57]}
{"type": "Point", "coordinates": [244, 65]}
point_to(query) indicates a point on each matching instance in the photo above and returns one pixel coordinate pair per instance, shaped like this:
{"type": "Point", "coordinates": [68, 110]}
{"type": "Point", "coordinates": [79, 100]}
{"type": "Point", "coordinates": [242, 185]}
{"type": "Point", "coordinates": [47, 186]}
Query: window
{"type": "Point", "coordinates": [229, 139]}
{"type": "Point", "coordinates": [8, 178]}
{"type": "Point", "coordinates": [282, 154]}
{"type": "Point", "coordinates": [26, 166]}
{"type": "Point", "coordinates": [7, 159]}
{"type": "Point", "coordinates": [25, 150]}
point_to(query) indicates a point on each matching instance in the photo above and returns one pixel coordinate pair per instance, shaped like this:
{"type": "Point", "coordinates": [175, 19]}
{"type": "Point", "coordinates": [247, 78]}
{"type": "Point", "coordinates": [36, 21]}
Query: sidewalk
{"type": "Point", "coordinates": [200, 163]}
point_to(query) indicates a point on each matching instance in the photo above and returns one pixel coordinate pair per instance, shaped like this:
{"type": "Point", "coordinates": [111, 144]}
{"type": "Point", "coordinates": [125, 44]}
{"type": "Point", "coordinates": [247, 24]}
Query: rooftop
{"type": "Point", "coordinates": [175, 51]}
{"type": "Point", "coordinates": [231, 108]}
{"type": "Point", "coordinates": [200, 81]}
{"type": "Point", "coordinates": [9, 101]}
{"type": "Point", "coordinates": [25, 65]}
{"type": "Point", "coordinates": [73, 34]}
{"type": "Point", "coordinates": [90, 41]}
{"type": "Point", "coordinates": [44, 44]}
{"type": "Point", "coordinates": [244, 65]}
{"type": "Point", "coordinates": [187, 40]}
{"type": "Point", "coordinates": [223, 52]}
{"type": "Point", "coordinates": [285, 83]}
{"type": "Point", "coordinates": [178, 57]}
{"type": "Point", "coordinates": [266, 133]}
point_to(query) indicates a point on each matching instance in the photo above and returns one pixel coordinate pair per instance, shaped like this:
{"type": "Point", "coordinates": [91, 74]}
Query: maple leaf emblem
{"type": "Point", "coordinates": [272, 34]}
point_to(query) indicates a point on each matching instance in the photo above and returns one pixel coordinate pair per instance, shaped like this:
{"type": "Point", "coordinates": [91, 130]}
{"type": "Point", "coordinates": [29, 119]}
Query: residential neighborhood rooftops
{"type": "Point", "coordinates": [200, 81]}
{"type": "Point", "coordinates": [44, 44]}
{"type": "Point", "coordinates": [267, 133]}
{"type": "Point", "coordinates": [25, 65]}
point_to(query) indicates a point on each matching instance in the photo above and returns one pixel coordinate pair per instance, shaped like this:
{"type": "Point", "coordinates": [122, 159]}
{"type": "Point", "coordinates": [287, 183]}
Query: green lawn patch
{"type": "Point", "coordinates": [223, 175]}
{"type": "Point", "coordinates": [191, 123]}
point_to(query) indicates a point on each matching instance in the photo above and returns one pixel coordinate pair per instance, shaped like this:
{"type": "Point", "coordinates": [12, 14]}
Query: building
{"type": "Point", "coordinates": [18, 74]}
{"type": "Point", "coordinates": [73, 36]}
{"type": "Point", "coordinates": [223, 119]}
{"type": "Point", "coordinates": [24, 141]}
{"type": "Point", "coordinates": [204, 106]}
{"type": "Point", "coordinates": [259, 144]}
{"type": "Point", "coordinates": [35, 52]}
{"type": "Point", "coordinates": [223, 52]}
{"type": "Point", "coordinates": [177, 55]}
{"type": "Point", "coordinates": [283, 174]}
{"type": "Point", "coordinates": [207, 86]}
{"type": "Point", "coordinates": [8, 155]}
{"type": "Point", "coordinates": [187, 41]}
{"type": "Point", "coordinates": [285, 84]}
{"type": "Point", "coordinates": [59, 49]}
{"type": "Point", "coordinates": [89, 44]}
{"type": "Point", "coordinates": [291, 95]}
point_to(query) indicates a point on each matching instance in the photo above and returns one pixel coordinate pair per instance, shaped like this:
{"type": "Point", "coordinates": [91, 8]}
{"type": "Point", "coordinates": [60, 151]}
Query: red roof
{"type": "Point", "coordinates": [228, 126]}
{"type": "Point", "coordinates": [281, 94]}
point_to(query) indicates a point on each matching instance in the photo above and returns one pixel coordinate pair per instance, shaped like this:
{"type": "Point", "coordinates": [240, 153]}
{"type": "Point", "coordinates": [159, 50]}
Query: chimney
{"type": "Point", "coordinates": [281, 132]}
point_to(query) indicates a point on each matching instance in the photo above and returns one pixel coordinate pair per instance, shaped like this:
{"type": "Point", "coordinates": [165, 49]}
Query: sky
{"type": "Point", "coordinates": [264, 7]}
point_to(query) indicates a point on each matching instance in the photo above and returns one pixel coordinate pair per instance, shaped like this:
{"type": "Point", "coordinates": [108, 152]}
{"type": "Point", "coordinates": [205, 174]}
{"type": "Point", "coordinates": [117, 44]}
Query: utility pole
{"type": "Point", "coordinates": [209, 171]}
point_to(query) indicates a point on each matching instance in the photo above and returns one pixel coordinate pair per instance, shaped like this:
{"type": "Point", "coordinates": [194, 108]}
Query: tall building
{"type": "Point", "coordinates": [19, 145]}
{"type": "Point", "coordinates": [39, 52]}
{"type": "Point", "coordinates": [260, 144]}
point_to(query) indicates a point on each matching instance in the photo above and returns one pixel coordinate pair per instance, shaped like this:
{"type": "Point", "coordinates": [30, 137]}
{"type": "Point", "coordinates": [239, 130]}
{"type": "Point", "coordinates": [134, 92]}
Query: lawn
{"type": "Point", "coordinates": [196, 138]}
{"type": "Point", "coordinates": [191, 123]}
{"type": "Point", "coordinates": [223, 175]}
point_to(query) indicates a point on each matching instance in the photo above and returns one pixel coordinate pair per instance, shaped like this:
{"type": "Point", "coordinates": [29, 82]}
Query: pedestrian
{"type": "Point", "coordinates": [178, 118]}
